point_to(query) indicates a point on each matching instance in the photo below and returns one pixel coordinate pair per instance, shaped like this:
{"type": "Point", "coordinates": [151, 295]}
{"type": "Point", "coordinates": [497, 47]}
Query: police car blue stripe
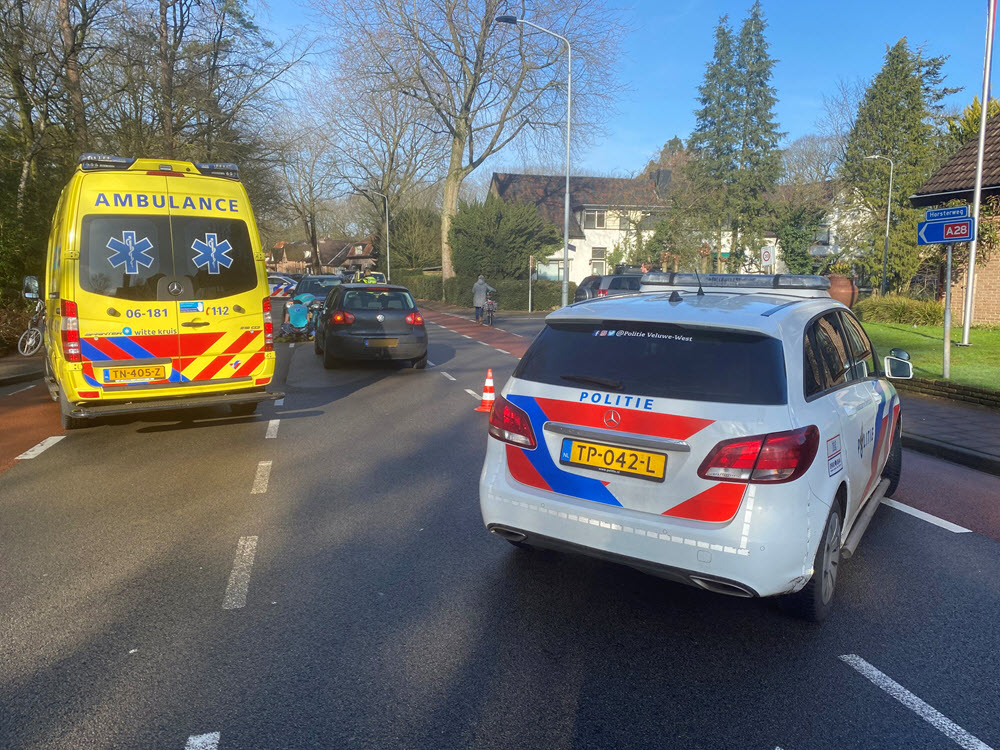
{"type": "Point", "coordinates": [559, 480]}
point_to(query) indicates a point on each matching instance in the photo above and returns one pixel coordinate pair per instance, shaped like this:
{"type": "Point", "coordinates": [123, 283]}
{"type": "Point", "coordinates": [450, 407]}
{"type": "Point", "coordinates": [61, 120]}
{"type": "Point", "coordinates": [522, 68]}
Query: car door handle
{"type": "Point", "coordinates": [195, 323]}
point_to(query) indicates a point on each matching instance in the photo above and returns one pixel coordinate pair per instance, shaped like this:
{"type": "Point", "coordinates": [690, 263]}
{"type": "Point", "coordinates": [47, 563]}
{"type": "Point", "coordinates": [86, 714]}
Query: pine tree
{"type": "Point", "coordinates": [893, 121]}
{"type": "Point", "coordinates": [714, 142]}
{"type": "Point", "coordinates": [758, 160]}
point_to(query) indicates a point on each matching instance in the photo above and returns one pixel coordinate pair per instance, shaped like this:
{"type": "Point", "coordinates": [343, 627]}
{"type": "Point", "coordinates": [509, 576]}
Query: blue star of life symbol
{"type": "Point", "coordinates": [212, 253]}
{"type": "Point", "coordinates": [130, 253]}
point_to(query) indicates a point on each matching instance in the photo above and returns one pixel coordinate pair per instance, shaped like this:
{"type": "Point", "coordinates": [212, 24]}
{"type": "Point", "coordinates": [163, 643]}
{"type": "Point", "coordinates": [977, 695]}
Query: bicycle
{"type": "Point", "coordinates": [31, 340]}
{"type": "Point", "coordinates": [489, 310]}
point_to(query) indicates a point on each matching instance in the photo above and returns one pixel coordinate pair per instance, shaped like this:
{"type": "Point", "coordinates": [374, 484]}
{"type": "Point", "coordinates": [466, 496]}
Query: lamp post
{"type": "Point", "coordinates": [514, 20]}
{"type": "Point", "coordinates": [888, 206]}
{"type": "Point", "coordinates": [388, 271]}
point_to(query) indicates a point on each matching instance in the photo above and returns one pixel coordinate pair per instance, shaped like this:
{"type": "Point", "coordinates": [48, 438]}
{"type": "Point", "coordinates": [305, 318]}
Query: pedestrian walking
{"type": "Point", "coordinates": [479, 291]}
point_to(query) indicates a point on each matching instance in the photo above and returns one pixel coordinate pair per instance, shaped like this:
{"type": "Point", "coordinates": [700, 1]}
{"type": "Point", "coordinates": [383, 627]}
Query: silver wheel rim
{"type": "Point", "coordinates": [831, 557]}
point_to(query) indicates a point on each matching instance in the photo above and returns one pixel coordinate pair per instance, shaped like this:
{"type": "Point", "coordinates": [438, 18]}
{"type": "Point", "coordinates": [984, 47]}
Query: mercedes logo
{"type": "Point", "coordinates": [612, 418]}
{"type": "Point", "coordinates": [174, 288]}
{"type": "Point", "coordinates": [380, 317]}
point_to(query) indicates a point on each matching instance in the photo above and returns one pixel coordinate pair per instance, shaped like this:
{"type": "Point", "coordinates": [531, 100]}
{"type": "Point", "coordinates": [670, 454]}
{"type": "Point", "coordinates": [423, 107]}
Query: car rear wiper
{"type": "Point", "coordinates": [612, 385]}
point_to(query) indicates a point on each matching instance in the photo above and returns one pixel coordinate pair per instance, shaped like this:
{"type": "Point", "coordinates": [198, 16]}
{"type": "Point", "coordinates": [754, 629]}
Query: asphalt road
{"type": "Point", "coordinates": [164, 586]}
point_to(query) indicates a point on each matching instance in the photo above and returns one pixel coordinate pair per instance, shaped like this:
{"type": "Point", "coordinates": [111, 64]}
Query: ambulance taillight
{"type": "Point", "coordinates": [69, 330]}
{"type": "Point", "coordinates": [268, 326]}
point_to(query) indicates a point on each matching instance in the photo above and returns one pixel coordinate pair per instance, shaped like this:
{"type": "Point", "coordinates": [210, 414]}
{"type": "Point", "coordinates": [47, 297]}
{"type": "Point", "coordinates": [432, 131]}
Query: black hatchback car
{"type": "Point", "coordinates": [370, 322]}
{"type": "Point", "coordinates": [607, 286]}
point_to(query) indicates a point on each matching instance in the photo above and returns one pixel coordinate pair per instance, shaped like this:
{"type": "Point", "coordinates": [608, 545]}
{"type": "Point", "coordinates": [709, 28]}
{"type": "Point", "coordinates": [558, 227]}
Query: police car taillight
{"type": "Point", "coordinates": [268, 326]}
{"type": "Point", "coordinates": [510, 424]}
{"type": "Point", "coordinates": [762, 459]}
{"type": "Point", "coordinates": [69, 330]}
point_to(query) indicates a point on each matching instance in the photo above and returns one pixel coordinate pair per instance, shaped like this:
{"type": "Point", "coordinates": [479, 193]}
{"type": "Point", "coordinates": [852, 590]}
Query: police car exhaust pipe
{"type": "Point", "coordinates": [721, 587]}
{"type": "Point", "coordinates": [509, 534]}
{"type": "Point", "coordinates": [865, 517]}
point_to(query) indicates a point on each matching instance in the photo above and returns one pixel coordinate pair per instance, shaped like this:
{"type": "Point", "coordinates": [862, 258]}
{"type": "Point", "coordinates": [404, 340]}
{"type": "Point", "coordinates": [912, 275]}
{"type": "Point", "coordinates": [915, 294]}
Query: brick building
{"type": "Point", "coordinates": [956, 181]}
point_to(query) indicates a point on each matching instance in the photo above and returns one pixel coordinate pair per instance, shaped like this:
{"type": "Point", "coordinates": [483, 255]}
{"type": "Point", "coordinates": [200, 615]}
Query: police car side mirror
{"type": "Point", "coordinates": [898, 369]}
{"type": "Point", "coordinates": [900, 354]}
{"type": "Point", "coordinates": [30, 287]}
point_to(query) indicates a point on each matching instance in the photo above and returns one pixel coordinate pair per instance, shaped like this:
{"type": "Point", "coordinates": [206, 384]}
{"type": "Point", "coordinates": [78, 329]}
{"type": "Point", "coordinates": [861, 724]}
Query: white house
{"type": "Point", "coordinates": [604, 211]}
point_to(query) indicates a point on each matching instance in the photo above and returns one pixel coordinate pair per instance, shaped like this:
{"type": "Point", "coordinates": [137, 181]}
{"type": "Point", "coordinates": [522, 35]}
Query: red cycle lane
{"type": "Point", "coordinates": [28, 417]}
{"type": "Point", "coordinates": [510, 343]}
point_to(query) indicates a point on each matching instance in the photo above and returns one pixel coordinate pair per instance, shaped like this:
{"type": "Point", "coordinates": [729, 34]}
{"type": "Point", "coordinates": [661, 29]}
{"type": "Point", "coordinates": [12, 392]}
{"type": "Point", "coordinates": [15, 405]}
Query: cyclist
{"type": "Point", "coordinates": [479, 292]}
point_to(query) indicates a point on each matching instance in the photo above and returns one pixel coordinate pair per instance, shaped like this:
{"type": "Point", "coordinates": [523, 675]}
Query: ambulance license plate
{"type": "Point", "coordinates": [382, 342]}
{"type": "Point", "coordinates": [614, 460]}
{"type": "Point", "coordinates": [129, 374]}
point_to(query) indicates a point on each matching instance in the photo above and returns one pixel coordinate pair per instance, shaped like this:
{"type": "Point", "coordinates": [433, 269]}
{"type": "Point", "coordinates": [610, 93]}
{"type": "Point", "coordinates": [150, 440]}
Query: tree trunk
{"type": "Point", "coordinates": [449, 203]}
{"type": "Point", "coordinates": [166, 81]}
{"type": "Point", "coordinates": [73, 86]}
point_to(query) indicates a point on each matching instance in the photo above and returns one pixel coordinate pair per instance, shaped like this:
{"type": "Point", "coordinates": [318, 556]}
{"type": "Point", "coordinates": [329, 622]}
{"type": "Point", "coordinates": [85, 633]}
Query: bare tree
{"type": "Point", "coordinates": [839, 111]}
{"type": "Point", "coordinates": [486, 87]}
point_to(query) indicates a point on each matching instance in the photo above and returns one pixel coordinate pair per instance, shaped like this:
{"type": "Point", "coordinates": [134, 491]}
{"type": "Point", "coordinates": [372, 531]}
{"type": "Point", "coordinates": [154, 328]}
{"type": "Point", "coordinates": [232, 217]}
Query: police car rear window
{"type": "Point", "coordinates": [136, 257]}
{"type": "Point", "coordinates": [664, 360]}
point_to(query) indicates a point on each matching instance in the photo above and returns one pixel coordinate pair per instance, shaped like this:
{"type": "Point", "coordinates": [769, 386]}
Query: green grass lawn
{"type": "Point", "coordinates": [978, 364]}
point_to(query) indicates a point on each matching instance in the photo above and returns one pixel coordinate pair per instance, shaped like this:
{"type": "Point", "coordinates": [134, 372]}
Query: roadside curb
{"type": "Point", "coordinates": [964, 456]}
{"type": "Point", "coordinates": [21, 377]}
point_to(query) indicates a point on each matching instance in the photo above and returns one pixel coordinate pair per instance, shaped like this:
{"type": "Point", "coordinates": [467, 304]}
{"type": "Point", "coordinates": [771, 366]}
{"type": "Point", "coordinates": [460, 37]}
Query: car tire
{"type": "Point", "coordinates": [815, 600]}
{"type": "Point", "coordinates": [420, 363]}
{"type": "Point", "coordinates": [894, 462]}
{"type": "Point", "coordinates": [243, 410]}
{"type": "Point", "coordinates": [68, 421]}
{"type": "Point", "coordinates": [316, 346]}
{"type": "Point", "coordinates": [329, 361]}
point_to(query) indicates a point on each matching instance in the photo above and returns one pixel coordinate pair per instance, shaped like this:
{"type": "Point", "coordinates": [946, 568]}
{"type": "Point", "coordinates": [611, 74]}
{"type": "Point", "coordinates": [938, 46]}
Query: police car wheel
{"type": "Point", "coordinates": [815, 600]}
{"type": "Point", "coordinates": [894, 463]}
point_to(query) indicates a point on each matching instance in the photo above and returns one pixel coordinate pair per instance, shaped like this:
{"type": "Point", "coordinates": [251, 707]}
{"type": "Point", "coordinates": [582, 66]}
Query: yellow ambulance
{"type": "Point", "coordinates": [156, 292]}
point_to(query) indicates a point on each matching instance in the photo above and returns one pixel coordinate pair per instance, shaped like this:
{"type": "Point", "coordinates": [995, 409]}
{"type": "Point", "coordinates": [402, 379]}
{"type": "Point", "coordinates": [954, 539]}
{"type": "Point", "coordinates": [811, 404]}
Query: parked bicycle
{"type": "Point", "coordinates": [489, 309]}
{"type": "Point", "coordinates": [31, 340]}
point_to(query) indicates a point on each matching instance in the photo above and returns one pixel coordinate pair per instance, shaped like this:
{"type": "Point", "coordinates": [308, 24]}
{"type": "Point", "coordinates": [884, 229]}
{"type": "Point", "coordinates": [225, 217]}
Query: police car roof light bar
{"type": "Point", "coordinates": [219, 169]}
{"type": "Point", "coordinates": [737, 281]}
{"type": "Point", "coordinates": [105, 161]}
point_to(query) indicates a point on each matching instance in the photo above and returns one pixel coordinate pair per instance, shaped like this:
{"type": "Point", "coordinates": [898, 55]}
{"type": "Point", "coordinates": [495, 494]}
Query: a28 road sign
{"type": "Point", "coordinates": [937, 232]}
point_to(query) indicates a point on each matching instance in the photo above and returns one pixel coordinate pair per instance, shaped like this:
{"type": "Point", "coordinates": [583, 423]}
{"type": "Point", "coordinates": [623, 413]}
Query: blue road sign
{"type": "Point", "coordinates": [938, 232]}
{"type": "Point", "coordinates": [939, 214]}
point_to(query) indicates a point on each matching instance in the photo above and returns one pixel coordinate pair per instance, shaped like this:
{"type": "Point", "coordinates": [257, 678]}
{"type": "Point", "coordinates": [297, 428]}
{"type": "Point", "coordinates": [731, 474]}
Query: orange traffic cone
{"type": "Point", "coordinates": [488, 397]}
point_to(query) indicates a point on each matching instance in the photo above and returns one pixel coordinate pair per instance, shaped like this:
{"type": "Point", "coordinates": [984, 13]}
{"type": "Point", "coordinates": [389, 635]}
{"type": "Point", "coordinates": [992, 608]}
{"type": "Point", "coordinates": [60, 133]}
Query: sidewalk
{"type": "Point", "coordinates": [17, 369]}
{"type": "Point", "coordinates": [955, 431]}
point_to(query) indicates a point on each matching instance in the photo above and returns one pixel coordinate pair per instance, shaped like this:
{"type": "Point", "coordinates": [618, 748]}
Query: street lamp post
{"type": "Point", "coordinates": [514, 20]}
{"type": "Point", "coordinates": [388, 270]}
{"type": "Point", "coordinates": [888, 206]}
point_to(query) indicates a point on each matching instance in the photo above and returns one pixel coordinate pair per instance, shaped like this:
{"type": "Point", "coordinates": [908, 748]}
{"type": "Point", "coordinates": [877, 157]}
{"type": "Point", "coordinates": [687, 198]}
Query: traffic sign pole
{"type": "Point", "coordinates": [946, 355]}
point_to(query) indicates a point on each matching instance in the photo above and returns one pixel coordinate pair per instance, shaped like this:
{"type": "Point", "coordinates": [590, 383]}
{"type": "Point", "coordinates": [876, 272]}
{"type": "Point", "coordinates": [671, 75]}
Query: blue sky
{"type": "Point", "coordinates": [816, 45]}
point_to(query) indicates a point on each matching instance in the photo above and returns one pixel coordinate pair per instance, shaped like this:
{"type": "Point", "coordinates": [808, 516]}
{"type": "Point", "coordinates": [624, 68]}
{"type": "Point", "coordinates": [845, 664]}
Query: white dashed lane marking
{"type": "Point", "coordinates": [208, 741]}
{"type": "Point", "coordinates": [447, 375]}
{"type": "Point", "coordinates": [40, 448]}
{"type": "Point", "coordinates": [272, 428]}
{"type": "Point", "coordinates": [260, 479]}
{"type": "Point", "coordinates": [502, 351]}
{"type": "Point", "coordinates": [291, 345]}
{"type": "Point", "coordinates": [928, 713]}
{"type": "Point", "coordinates": [431, 364]}
{"type": "Point", "coordinates": [239, 579]}
{"type": "Point", "coordinates": [21, 390]}
{"type": "Point", "coordinates": [472, 393]}
{"type": "Point", "coordinates": [953, 527]}
{"type": "Point", "coordinates": [280, 402]}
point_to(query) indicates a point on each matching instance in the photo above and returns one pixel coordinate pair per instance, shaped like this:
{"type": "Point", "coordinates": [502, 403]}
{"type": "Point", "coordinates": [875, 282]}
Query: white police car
{"type": "Point", "coordinates": [737, 436]}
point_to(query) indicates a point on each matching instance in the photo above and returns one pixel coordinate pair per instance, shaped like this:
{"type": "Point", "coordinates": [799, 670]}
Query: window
{"type": "Point", "coordinates": [629, 283]}
{"type": "Point", "coordinates": [624, 223]}
{"type": "Point", "coordinates": [593, 219]}
{"type": "Point", "coordinates": [598, 253]}
{"type": "Point", "coordinates": [215, 254]}
{"type": "Point", "coordinates": [550, 271]}
{"type": "Point", "coordinates": [660, 359]}
{"type": "Point", "coordinates": [831, 350]}
{"type": "Point", "coordinates": [127, 257]}
{"type": "Point", "coordinates": [812, 371]}
{"type": "Point", "coordinates": [865, 361]}
{"type": "Point", "coordinates": [597, 264]}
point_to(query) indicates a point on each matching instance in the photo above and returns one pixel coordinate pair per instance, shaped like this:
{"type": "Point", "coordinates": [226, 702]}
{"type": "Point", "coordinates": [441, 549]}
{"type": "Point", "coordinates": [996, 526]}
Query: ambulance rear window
{"type": "Point", "coordinates": [127, 257]}
{"type": "Point", "coordinates": [655, 359]}
{"type": "Point", "coordinates": [215, 255]}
